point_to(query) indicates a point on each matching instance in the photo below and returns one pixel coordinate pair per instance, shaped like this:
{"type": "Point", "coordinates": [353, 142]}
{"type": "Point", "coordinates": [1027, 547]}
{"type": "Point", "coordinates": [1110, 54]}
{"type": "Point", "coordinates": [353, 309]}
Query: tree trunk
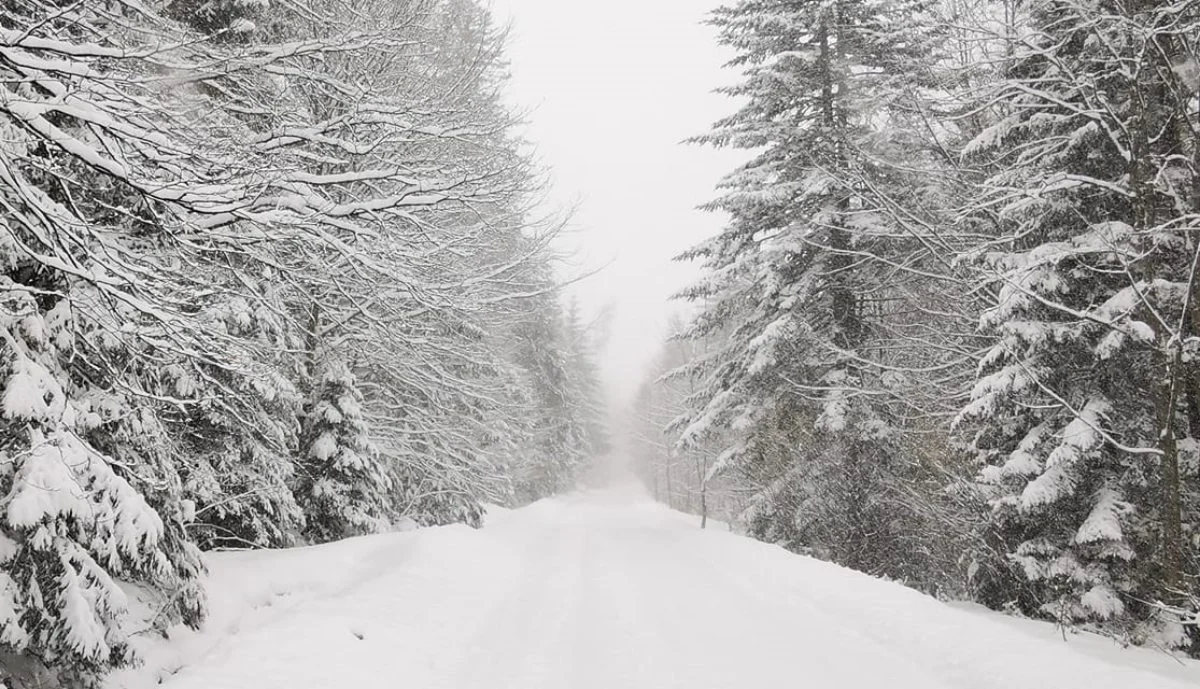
{"type": "Point", "coordinates": [670, 495]}
{"type": "Point", "coordinates": [1172, 527]}
{"type": "Point", "coordinates": [1147, 112]}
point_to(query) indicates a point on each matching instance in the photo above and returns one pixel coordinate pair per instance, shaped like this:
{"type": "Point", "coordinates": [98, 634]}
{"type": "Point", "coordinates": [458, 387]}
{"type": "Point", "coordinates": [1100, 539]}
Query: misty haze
{"type": "Point", "coordinates": [648, 344]}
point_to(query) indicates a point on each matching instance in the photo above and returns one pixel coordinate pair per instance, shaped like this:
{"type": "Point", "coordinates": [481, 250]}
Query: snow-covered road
{"type": "Point", "coordinates": [605, 590]}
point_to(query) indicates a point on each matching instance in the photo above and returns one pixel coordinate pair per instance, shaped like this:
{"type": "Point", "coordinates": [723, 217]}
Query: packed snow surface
{"type": "Point", "coordinates": [605, 590]}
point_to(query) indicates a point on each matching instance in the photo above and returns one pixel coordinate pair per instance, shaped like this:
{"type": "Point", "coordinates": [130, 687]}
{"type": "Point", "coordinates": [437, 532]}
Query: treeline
{"type": "Point", "coordinates": [270, 274]}
{"type": "Point", "coordinates": [949, 334]}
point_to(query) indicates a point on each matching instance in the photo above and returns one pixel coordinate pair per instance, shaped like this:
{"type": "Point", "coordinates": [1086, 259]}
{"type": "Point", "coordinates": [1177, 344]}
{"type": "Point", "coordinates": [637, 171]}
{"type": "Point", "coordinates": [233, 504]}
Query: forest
{"type": "Point", "coordinates": [272, 274]}
{"type": "Point", "coordinates": [948, 335]}
{"type": "Point", "coordinates": [280, 273]}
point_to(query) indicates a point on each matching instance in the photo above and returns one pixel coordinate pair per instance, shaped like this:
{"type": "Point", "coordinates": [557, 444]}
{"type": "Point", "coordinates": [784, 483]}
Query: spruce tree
{"type": "Point", "coordinates": [342, 486]}
{"type": "Point", "coordinates": [1087, 403]}
{"type": "Point", "coordinates": [809, 268]}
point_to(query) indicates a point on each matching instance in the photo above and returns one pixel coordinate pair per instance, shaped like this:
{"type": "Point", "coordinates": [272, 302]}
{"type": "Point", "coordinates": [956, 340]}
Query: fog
{"type": "Point", "coordinates": [612, 91]}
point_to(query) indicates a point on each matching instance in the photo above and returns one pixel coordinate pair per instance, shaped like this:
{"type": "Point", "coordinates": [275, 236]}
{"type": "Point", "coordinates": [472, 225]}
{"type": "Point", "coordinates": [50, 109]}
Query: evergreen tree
{"type": "Point", "coordinates": [342, 485]}
{"type": "Point", "coordinates": [239, 434]}
{"type": "Point", "coordinates": [1086, 404]}
{"type": "Point", "coordinates": [812, 276]}
{"type": "Point", "coordinates": [679, 476]}
{"type": "Point", "coordinates": [75, 519]}
{"type": "Point", "coordinates": [561, 398]}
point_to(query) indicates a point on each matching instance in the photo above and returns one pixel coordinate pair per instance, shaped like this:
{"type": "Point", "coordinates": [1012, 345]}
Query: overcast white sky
{"type": "Point", "coordinates": [613, 88]}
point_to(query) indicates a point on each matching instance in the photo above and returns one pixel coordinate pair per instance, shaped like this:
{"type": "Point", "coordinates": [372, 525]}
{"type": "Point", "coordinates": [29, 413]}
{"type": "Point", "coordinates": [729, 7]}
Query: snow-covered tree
{"type": "Point", "coordinates": [160, 238]}
{"type": "Point", "coordinates": [222, 19]}
{"type": "Point", "coordinates": [564, 424]}
{"type": "Point", "coordinates": [679, 476]}
{"type": "Point", "coordinates": [240, 432]}
{"type": "Point", "coordinates": [820, 280]}
{"type": "Point", "coordinates": [427, 320]}
{"type": "Point", "coordinates": [1086, 407]}
{"type": "Point", "coordinates": [342, 486]}
{"type": "Point", "coordinates": [90, 495]}
{"type": "Point", "coordinates": [78, 520]}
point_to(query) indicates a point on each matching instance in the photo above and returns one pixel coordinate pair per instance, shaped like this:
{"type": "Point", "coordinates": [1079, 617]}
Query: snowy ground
{"type": "Point", "coordinates": [605, 590]}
